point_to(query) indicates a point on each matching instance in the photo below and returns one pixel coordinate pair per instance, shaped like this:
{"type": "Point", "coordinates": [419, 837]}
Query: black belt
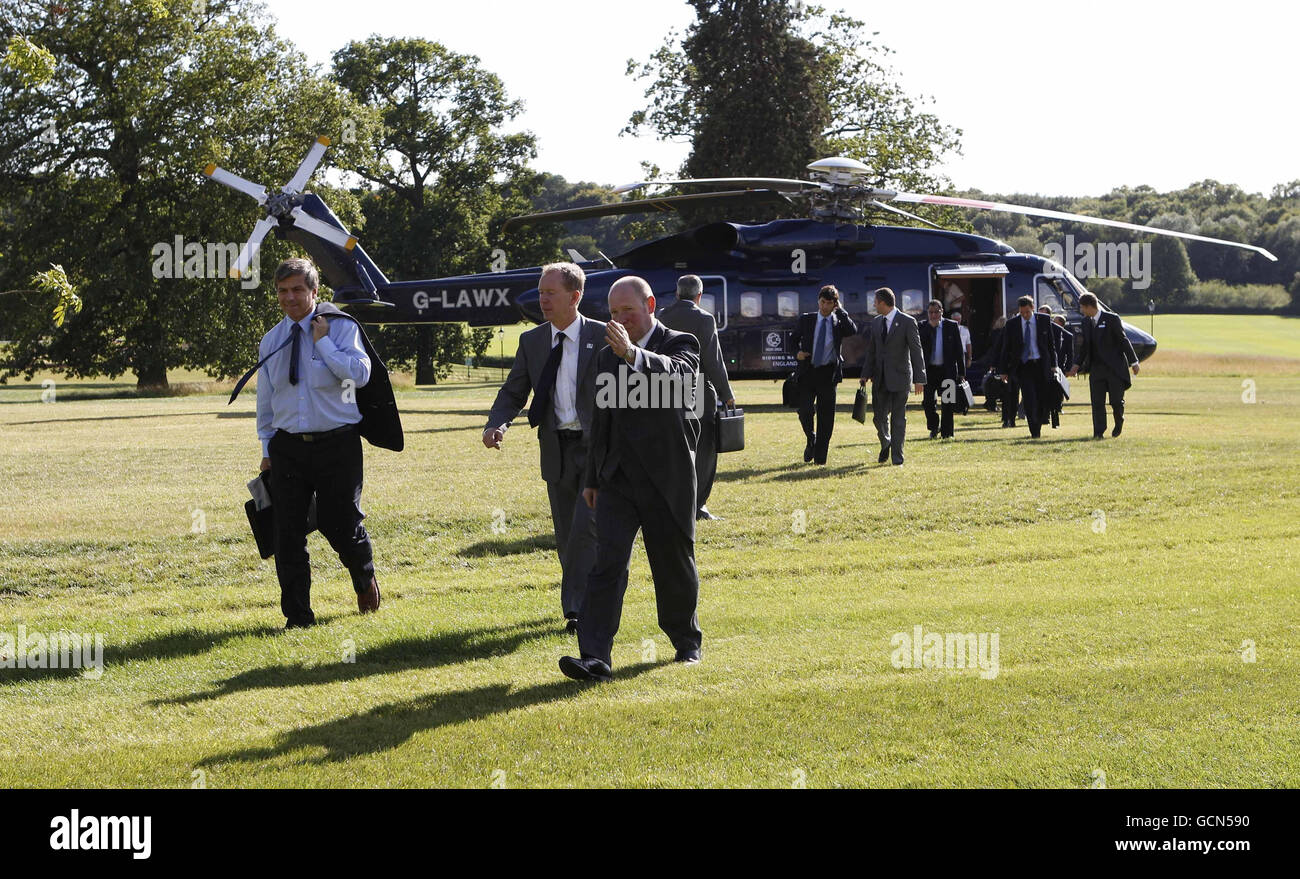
{"type": "Point", "coordinates": [569, 434]}
{"type": "Point", "coordinates": [319, 436]}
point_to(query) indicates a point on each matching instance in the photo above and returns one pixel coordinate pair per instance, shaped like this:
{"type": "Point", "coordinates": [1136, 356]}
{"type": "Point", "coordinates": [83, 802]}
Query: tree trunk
{"type": "Point", "coordinates": [151, 377]}
{"type": "Point", "coordinates": [425, 374]}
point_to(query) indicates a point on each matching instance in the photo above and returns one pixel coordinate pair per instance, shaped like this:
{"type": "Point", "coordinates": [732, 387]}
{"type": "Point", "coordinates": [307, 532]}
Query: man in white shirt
{"type": "Point", "coordinates": [555, 362]}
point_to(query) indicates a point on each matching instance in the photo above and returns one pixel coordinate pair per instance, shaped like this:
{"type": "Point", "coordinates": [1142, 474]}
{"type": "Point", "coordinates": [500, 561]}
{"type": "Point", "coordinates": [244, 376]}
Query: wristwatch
{"type": "Point", "coordinates": [630, 355]}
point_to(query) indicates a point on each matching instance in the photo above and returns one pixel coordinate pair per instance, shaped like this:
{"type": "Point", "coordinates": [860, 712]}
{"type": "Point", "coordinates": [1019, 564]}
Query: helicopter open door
{"type": "Point", "coordinates": [978, 290]}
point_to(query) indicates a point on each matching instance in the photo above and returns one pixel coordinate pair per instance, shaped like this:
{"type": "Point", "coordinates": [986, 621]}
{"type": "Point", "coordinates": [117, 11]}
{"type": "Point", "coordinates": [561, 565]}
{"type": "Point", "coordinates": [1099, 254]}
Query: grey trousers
{"type": "Point", "coordinates": [575, 525]}
{"type": "Point", "coordinates": [890, 417]}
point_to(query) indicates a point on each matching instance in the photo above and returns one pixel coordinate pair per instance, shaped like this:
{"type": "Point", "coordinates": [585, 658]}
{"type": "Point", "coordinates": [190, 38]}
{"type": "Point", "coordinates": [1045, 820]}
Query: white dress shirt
{"type": "Point", "coordinates": [565, 395]}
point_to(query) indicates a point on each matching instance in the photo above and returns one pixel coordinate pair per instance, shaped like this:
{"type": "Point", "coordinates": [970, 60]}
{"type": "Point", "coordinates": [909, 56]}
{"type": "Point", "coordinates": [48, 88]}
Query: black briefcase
{"type": "Point", "coordinates": [731, 430]}
{"type": "Point", "coordinates": [860, 405]}
{"type": "Point", "coordinates": [261, 514]}
{"type": "Point", "coordinates": [790, 392]}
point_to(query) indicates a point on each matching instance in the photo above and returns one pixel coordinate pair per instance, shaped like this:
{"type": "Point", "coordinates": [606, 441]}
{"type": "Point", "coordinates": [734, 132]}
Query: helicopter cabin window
{"type": "Point", "coordinates": [912, 301]}
{"type": "Point", "coordinates": [787, 304]}
{"type": "Point", "coordinates": [707, 303]}
{"type": "Point", "coordinates": [751, 304]}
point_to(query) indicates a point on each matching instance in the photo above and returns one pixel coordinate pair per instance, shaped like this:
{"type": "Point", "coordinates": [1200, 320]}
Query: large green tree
{"type": "Point", "coordinates": [443, 175]}
{"type": "Point", "coordinates": [101, 156]}
{"type": "Point", "coordinates": [764, 87]}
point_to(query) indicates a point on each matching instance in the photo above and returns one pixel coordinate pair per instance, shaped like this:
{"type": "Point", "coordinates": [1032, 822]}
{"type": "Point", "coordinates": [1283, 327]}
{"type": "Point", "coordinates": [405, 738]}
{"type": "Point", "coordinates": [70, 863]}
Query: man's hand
{"type": "Point", "coordinates": [616, 337]}
{"type": "Point", "coordinates": [492, 437]}
{"type": "Point", "coordinates": [731, 404]}
{"type": "Point", "coordinates": [862, 382]}
{"type": "Point", "coordinates": [320, 327]}
{"type": "Point", "coordinates": [1003, 376]}
{"type": "Point", "coordinates": [266, 464]}
{"type": "Point", "coordinates": [589, 495]}
{"type": "Point", "coordinates": [1074, 370]}
{"type": "Point", "coordinates": [802, 355]}
{"type": "Point", "coordinates": [1135, 369]}
{"type": "Point", "coordinates": [918, 389]}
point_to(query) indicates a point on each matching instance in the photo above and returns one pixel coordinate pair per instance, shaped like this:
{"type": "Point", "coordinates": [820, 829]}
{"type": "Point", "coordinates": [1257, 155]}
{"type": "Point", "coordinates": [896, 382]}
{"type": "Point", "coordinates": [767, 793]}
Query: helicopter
{"type": "Point", "coordinates": [758, 278]}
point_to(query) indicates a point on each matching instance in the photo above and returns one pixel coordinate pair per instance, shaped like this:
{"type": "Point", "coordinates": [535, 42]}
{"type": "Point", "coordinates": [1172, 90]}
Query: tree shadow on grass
{"type": "Point", "coordinates": [449, 648]}
{"type": "Point", "coordinates": [390, 726]}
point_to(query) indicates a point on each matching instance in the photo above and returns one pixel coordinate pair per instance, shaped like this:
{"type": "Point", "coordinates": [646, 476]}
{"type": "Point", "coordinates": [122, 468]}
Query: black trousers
{"type": "Point", "coordinates": [574, 523]}
{"type": "Point", "coordinates": [1033, 393]}
{"type": "Point", "coordinates": [706, 457]}
{"type": "Point", "coordinates": [624, 505]}
{"type": "Point", "coordinates": [1099, 386]}
{"type": "Point", "coordinates": [331, 470]}
{"type": "Point", "coordinates": [934, 386]}
{"type": "Point", "coordinates": [817, 387]}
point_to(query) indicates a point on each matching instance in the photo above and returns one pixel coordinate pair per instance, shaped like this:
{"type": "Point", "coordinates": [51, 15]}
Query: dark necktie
{"type": "Point", "coordinates": [820, 346]}
{"type": "Point", "coordinates": [295, 335]}
{"type": "Point", "coordinates": [546, 386]}
{"type": "Point", "coordinates": [1024, 357]}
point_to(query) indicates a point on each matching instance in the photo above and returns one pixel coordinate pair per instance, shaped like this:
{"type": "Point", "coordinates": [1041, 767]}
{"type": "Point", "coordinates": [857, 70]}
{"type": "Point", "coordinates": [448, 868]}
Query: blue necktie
{"type": "Point", "coordinates": [819, 350]}
{"type": "Point", "coordinates": [295, 335]}
{"type": "Point", "coordinates": [1024, 355]}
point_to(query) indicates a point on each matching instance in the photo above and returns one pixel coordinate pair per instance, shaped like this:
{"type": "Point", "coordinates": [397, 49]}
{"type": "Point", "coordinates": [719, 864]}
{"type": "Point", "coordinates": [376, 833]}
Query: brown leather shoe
{"type": "Point", "coordinates": [368, 601]}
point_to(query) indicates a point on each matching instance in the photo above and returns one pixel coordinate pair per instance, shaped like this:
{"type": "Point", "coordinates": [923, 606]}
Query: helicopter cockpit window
{"type": "Point", "coordinates": [913, 301]}
{"type": "Point", "coordinates": [787, 304]}
{"type": "Point", "coordinates": [751, 304]}
{"type": "Point", "coordinates": [707, 303]}
{"type": "Point", "coordinates": [1057, 294]}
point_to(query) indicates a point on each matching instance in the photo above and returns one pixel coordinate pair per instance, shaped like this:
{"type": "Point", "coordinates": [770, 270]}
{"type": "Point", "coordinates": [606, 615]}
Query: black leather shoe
{"type": "Point", "coordinates": [884, 455]}
{"type": "Point", "coordinates": [571, 625]}
{"type": "Point", "coordinates": [934, 434]}
{"type": "Point", "coordinates": [1119, 426]}
{"type": "Point", "coordinates": [299, 624]}
{"type": "Point", "coordinates": [808, 453]}
{"type": "Point", "coordinates": [585, 669]}
{"type": "Point", "coordinates": [1099, 436]}
{"type": "Point", "coordinates": [705, 515]}
{"type": "Point", "coordinates": [687, 657]}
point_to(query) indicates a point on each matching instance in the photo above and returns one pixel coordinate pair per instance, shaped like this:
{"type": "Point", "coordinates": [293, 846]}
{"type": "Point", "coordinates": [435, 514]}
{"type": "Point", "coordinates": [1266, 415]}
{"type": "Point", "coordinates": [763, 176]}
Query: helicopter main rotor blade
{"type": "Point", "coordinates": [264, 225]}
{"type": "Point", "coordinates": [308, 166]}
{"type": "Point", "coordinates": [236, 182]}
{"type": "Point", "coordinates": [891, 208]}
{"type": "Point", "coordinates": [321, 229]}
{"type": "Point", "coordinates": [951, 201]}
{"type": "Point", "coordinates": [740, 199]}
{"type": "Point", "coordinates": [780, 184]}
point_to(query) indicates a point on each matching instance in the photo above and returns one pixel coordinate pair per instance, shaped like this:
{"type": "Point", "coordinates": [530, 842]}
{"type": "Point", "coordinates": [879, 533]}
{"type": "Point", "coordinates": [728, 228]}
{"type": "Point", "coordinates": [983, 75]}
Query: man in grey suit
{"type": "Point", "coordinates": [895, 364]}
{"type": "Point", "coordinates": [556, 362]}
{"type": "Point", "coordinates": [686, 316]}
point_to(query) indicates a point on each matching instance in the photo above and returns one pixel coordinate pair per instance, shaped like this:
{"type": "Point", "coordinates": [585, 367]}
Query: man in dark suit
{"type": "Point", "coordinates": [686, 316]}
{"type": "Point", "coordinates": [894, 364]}
{"type": "Point", "coordinates": [641, 476]}
{"type": "Point", "coordinates": [556, 363]}
{"type": "Point", "coordinates": [1029, 354]}
{"type": "Point", "coordinates": [945, 369]}
{"type": "Point", "coordinates": [1107, 355]}
{"type": "Point", "coordinates": [1064, 362]}
{"type": "Point", "coordinates": [817, 337]}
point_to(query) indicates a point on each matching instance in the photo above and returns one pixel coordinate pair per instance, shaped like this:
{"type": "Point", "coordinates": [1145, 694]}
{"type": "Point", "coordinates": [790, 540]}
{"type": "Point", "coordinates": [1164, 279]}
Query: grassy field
{"type": "Point", "coordinates": [1128, 583]}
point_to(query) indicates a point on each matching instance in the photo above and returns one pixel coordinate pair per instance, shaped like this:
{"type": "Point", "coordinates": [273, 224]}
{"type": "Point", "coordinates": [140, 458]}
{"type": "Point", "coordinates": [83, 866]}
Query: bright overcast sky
{"type": "Point", "coordinates": [1052, 98]}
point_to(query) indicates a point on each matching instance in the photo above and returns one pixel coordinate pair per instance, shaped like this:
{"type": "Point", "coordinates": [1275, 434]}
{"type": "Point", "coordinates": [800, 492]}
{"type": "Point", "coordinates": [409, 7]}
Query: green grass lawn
{"type": "Point", "coordinates": [1121, 648]}
{"type": "Point", "coordinates": [1256, 335]}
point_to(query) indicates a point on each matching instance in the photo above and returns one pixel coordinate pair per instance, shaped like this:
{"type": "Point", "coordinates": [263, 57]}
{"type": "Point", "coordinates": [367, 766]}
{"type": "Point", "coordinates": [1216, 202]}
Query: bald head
{"type": "Point", "coordinates": [631, 303]}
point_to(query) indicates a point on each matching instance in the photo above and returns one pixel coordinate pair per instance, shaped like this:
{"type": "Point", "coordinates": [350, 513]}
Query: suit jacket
{"type": "Point", "coordinates": [805, 338]}
{"type": "Point", "coordinates": [954, 353]}
{"type": "Point", "coordinates": [381, 424]}
{"type": "Point", "coordinates": [685, 316]}
{"type": "Point", "coordinates": [894, 362]}
{"type": "Point", "coordinates": [1013, 342]}
{"type": "Point", "coordinates": [1064, 347]}
{"type": "Point", "coordinates": [526, 373]}
{"type": "Point", "coordinates": [660, 440]}
{"type": "Point", "coordinates": [1107, 352]}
